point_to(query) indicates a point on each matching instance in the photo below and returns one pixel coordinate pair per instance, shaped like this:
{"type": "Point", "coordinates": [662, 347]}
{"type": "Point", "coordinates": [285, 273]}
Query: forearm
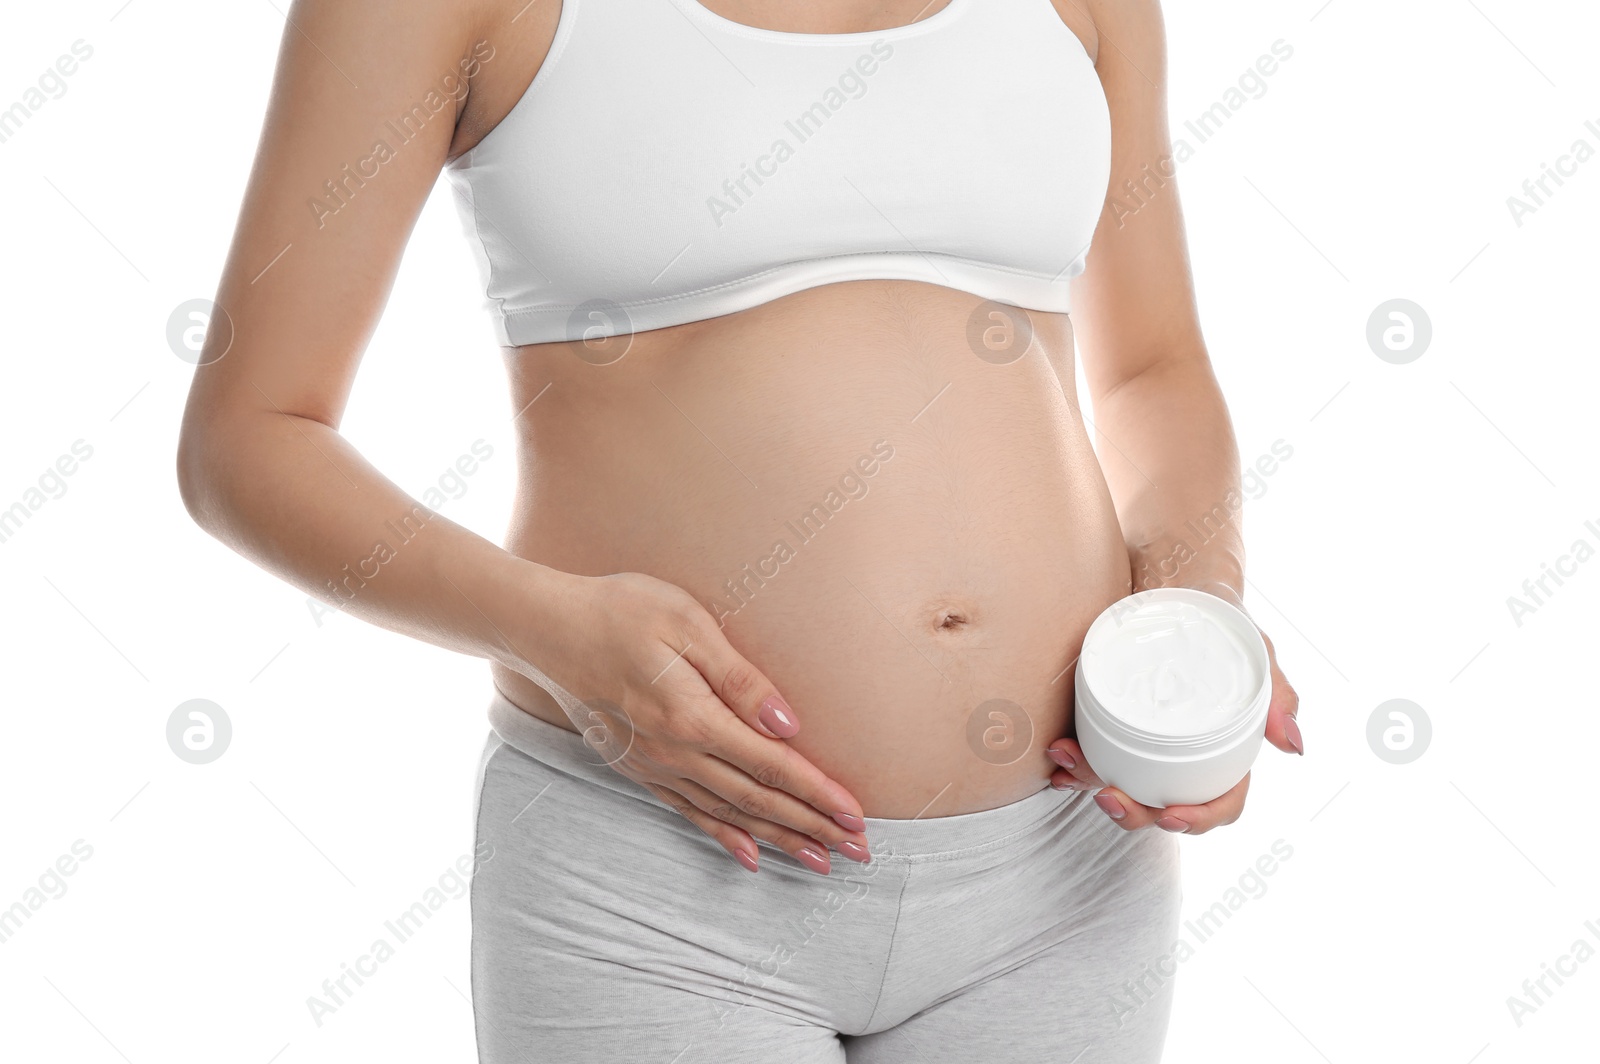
{"type": "Point", "coordinates": [1166, 444]}
{"type": "Point", "coordinates": [292, 495]}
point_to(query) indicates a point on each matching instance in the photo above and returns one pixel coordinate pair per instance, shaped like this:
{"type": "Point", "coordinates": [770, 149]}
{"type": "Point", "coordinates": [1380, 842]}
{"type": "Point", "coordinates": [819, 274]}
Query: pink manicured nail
{"type": "Point", "coordinates": [1061, 757]}
{"type": "Point", "coordinates": [855, 851]}
{"type": "Point", "coordinates": [1291, 731]}
{"type": "Point", "coordinates": [1171, 823]}
{"type": "Point", "coordinates": [1112, 807]}
{"type": "Point", "coordinates": [776, 719]}
{"type": "Point", "coordinates": [746, 859]}
{"type": "Point", "coordinates": [850, 822]}
{"type": "Point", "coordinates": [817, 862]}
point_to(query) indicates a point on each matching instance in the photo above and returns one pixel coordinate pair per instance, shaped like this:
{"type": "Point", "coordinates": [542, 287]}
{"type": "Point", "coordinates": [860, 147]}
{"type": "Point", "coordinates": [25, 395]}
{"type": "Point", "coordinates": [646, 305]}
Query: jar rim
{"type": "Point", "coordinates": [1250, 715]}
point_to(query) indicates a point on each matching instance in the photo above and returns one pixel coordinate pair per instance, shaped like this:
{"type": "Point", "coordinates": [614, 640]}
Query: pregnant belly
{"type": "Point", "coordinates": [897, 519]}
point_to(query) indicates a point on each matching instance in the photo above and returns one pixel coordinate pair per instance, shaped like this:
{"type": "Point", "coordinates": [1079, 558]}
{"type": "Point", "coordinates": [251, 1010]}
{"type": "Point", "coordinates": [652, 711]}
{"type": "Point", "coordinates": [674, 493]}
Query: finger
{"type": "Point", "coordinates": [734, 839]}
{"type": "Point", "coordinates": [746, 692]}
{"type": "Point", "coordinates": [1062, 780]}
{"type": "Point", "coordinates": [1199, 819]}
{"type": "Point", "coordinates": [1124, 811]}
{"type": "Point", "coordinates": [1074, 770]}
{"type": "Point", "coordinates": [1283, 730]}
{"type": "Point", "coordinates": [806, 850]}
{"type": "Point", "coordinates": [752, 796]}
{"type": "Point", "coordinates": [797, 792]}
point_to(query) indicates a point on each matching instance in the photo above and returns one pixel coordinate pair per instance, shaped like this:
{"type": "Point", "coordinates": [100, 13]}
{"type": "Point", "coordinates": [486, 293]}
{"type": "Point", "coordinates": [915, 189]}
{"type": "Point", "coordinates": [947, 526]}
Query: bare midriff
{"type": "Point", "coordinates": [946, 533]}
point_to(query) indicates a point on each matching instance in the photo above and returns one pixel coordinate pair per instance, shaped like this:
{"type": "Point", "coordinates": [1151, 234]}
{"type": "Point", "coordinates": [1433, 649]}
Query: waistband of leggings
{"type": "Point", "coordinates": [918, 837]}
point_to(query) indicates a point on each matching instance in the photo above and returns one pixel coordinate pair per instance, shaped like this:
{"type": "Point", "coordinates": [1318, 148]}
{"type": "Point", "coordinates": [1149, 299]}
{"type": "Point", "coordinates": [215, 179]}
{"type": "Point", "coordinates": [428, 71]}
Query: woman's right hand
{"type": "Point", "coordinates": [680, 711]}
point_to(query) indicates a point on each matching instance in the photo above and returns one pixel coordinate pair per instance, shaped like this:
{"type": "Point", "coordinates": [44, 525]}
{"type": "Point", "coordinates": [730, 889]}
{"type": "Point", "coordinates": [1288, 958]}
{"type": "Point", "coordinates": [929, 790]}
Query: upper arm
{"type": "Point", "coordinates": [331, 201]}
{"type": "Point", "coordinates": [1133, 306]}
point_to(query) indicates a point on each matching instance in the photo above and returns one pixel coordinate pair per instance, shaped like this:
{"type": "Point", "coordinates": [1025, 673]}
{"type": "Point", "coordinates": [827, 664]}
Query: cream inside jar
{"type": "Point", "coordinates": [1169, 668]}
{"type": "Point", "coordinates": [1172, 690]}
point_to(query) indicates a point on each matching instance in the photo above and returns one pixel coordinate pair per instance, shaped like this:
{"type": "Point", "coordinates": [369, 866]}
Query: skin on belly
{"type": "Point", "coordinates": [908, 539]}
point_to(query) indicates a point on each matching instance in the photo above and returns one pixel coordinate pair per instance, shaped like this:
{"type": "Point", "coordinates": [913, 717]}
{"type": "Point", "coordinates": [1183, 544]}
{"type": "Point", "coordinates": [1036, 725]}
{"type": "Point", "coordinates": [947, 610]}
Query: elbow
{"type": "Point", "coordinates": [191, 477]}
{"type": "Point", "coordinates": [1186, 369]}
{"type": "Point", "coordinates": [196, 468]}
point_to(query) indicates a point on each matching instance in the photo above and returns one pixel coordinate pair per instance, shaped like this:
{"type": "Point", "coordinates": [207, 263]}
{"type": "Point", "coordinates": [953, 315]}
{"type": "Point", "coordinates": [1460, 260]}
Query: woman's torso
{"type": "Point", "coordinates": [898, 516]}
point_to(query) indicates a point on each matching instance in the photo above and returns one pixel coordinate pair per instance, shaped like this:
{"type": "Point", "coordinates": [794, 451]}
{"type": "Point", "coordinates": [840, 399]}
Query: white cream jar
{"type": "Point", "coordinates": [1172, 690]}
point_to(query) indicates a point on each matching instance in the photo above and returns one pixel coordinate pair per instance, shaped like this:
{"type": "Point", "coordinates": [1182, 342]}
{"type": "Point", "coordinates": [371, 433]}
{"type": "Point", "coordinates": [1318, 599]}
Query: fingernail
{"type": "Point", "coordinates": [850, 822]}
{"type": "Point", "coordinates": [1171, 823]}
{"type": "Point", "coordinates": [855, 851]}
{"type": "Point", "coordinates": [1112, 807]}
{"type": "Point", "coordinates": [746, 859]}
{"type": "Point", "coordinates": [817, 862]}
{"type": "Point", "coordinates": [776, 719]}
{"type": "Point", "coordinates": [1060, 786]}
{"type": "Point", "coordinates": [1061, 757]}
{"type": "Point", "coordinates": [1291, 731]}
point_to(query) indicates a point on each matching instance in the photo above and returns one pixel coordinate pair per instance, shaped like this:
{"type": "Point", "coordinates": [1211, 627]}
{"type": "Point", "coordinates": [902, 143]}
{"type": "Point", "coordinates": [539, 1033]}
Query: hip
{"type": "Point", "coordinates": [590, 871]}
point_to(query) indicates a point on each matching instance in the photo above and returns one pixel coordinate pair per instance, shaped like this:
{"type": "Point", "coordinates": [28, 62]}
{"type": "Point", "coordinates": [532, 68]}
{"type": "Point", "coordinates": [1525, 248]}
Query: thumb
{"type": "Point", "coordinates": [1283, 731]}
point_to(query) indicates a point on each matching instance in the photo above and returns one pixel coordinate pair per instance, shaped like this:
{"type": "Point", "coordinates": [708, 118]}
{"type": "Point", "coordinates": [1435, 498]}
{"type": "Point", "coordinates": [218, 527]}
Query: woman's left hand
{"type": "Point", "coordinates": [1076, 773]}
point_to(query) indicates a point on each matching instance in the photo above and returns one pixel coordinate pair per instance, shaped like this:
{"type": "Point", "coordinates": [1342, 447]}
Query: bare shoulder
{"type": "Point", "coordinates": [366, 99]}
{"type": "Point", "coordinates": [1130, 31]}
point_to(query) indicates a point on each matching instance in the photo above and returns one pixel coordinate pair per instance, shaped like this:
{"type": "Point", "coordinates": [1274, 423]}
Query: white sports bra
{"type": "Point", "coordinates": [668, 165]}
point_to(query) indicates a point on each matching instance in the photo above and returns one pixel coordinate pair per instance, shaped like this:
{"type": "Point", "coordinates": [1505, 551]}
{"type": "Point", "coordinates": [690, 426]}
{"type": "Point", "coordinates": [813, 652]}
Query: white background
{"type": "Point", "coordinates": [1377, 165]}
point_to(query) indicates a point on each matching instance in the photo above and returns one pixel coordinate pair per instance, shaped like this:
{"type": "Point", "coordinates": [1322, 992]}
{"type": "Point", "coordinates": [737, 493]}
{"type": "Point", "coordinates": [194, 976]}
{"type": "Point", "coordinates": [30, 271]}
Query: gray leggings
{"type": "Point", "coordinates": [605, 927]}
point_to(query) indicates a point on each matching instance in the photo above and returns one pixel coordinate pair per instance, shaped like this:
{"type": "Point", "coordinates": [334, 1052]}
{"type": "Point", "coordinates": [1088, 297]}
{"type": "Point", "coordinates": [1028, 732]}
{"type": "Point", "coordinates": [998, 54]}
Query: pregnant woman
{"type": "Point", "coordinates": [808, 527]}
